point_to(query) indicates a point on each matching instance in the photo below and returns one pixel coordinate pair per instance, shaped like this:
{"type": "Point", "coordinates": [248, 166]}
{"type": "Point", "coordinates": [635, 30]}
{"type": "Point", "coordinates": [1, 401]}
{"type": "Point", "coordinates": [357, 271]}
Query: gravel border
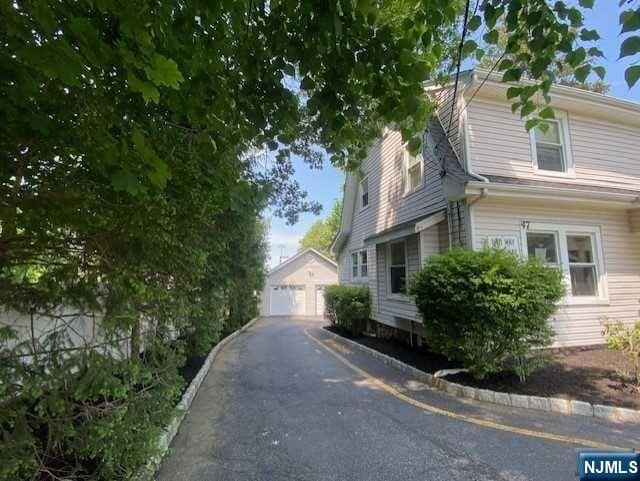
{"type": "Point", "coordinates": [557, 405]}
{"type": "Point", "coordinates": [148, 471]}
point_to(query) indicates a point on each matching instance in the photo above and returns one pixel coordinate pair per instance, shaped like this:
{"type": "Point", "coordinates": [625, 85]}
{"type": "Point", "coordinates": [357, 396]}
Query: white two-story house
{"type": "Point", "coordinates": [570, 196]}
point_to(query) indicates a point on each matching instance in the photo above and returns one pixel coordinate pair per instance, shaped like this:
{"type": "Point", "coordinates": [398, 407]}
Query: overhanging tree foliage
{"type": "Point", "coordinates": [322, 232]}
{"type": "Point", "coordinates": [128, 189]}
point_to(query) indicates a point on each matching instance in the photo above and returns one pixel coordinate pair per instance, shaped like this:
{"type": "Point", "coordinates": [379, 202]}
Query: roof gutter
{"type": "Point", "coordinates": [549, 193]}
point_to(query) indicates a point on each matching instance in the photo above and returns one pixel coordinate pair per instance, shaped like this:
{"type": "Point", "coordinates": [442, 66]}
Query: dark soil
{"type": "Point", "coordinates": [589, 374]}
{"type": "Point", "coordinates": [586, 374]}
{"type": "Point", "coordinates": [190, 369]}
{"type": "Point", "coordinates": [419, 357]}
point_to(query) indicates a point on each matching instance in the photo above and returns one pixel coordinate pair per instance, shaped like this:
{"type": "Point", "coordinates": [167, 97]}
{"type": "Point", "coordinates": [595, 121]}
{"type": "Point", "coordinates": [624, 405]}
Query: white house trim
{"type": "Point", "coordinates": [553, 193]}
{"type": "Point", "coordinates": [562, 119]}
{"type": "Point", "coordinates": [292, 259]}
{"type": "Point", "coordinates": [561, 231]}
{"type": "Point", "coordinates": [430, 221]}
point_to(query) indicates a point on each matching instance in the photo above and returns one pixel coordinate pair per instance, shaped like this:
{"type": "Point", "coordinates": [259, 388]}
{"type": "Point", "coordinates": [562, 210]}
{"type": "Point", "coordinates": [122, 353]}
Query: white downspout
{"type": "Point", "coordinates": [465, 131]}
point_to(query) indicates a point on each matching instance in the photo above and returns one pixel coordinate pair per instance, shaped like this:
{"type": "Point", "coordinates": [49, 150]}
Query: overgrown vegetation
{"type": "Point", "coordinates": [487, 309]}
{"type": "Point", "coordinates": [347, 307]}
{"type": "Point", "coordinates": [139, 142]}
{"type": "Point", "coordinates": [625, 338]}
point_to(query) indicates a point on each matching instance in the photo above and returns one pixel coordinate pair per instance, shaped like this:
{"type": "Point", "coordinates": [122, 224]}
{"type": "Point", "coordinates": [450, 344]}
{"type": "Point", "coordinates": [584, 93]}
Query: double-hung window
{"type": "Point", "coordinates": [359, 269]}
{"type": "Point", "coordinates": [364, 271]}
{"type": "Point", "coordinates": [364, 192]}
{"type": "Point", "coordinates": [397, 267]}
{"type": "Point", "coordinates": [354, 265]}
{"type": "Point", "coordinates": [582, 265]}
{"type": "Point", "coordinates": [413, 171]}
{"type": "Point", "coordinates": [551, 152]}
{"type": "Point", "coordinates": [576, 250]}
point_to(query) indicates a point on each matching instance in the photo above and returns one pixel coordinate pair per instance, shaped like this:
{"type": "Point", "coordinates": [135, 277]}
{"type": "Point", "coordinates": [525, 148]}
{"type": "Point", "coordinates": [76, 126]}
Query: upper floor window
{"type": "Point", "coordinates": [364, 192]}
{"type": "Point", "coordinates": [413, 171]}
{"type": "Point", "coordinates": [551, 153]}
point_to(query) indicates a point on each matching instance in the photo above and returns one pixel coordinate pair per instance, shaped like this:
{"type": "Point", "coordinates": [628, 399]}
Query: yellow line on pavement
{"type": "Point", "coordinates": [461, 417]}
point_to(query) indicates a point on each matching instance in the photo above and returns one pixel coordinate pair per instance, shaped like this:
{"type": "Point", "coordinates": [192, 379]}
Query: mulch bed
{"type": "Point", "coordinates": [587, 374]}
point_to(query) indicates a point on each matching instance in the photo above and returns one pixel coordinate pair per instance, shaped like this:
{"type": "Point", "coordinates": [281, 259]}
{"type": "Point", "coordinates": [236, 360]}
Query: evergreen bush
{"type": "Point", "coordinates": [487, 309]}
{"type": "Point", "coordinates": [347, 307]}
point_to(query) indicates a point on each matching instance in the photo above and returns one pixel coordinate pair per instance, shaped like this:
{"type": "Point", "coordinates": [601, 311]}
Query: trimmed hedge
{"type": "Point", "coordinates": [347, 307]}
{"type": "Point", "coordinates": [487, 309]}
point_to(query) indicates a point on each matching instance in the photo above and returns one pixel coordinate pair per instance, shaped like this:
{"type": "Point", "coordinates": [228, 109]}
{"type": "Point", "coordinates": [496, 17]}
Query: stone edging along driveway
{"type": "Point", "coordinates": [149, 470]}
{"type": "Point", "coordinates": [557, 405]}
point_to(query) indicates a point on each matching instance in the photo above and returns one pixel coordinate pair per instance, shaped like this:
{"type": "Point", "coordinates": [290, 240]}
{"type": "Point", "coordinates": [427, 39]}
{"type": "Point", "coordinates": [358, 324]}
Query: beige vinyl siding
{"type": "Point", "coordinates": [576, 324]}
{"type": "Point", "coordinates": [446, 102]}
{"type": "Point", "coordinates": [389, 309]}
{"type": "Point", "coordinates": [634, 220]}
{"type": "Point", "coordinates": [389, 206]}
{"type": "Point", "coordinates": [604, 154]}
{"type": "Point", "coordinates": [430, 241]}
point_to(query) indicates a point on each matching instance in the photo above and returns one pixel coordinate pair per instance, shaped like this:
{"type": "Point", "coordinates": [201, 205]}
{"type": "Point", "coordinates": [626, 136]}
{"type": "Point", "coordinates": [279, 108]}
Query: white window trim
{"type": "Point", "coordinates": [359, 277]}
{"type": "Point", "coordinates": [561, 231]}
{"type": "Point", "coordinates": [563, 122]}
{"type": "Point", "coordinates": [361, 193]}
{"type": "Point", "coordinates": [352, 265]}
{"type": "Point", "coordinates": [405, 171]}
{"type": "Point", "coordinates": [397, 295]}
{"type": "Point", "coordinates": [361, 264]}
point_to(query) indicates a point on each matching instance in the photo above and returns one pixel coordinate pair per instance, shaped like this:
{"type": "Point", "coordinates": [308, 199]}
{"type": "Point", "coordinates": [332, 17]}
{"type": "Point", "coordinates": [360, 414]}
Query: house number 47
{"type": "Point", "coordinates": [525, 224]}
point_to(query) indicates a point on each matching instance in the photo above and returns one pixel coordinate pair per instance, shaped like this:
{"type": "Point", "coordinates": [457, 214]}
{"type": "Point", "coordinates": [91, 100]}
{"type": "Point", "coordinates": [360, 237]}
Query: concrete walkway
{"type": "Point", "coordinates": [279, 406]}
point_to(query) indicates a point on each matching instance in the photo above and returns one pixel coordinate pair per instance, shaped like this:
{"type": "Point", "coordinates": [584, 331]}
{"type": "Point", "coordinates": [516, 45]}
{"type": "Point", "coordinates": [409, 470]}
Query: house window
{"type": "Point", "coordinates": [575, 250]}
{"type": "Point", "coordinates": [359, 265]}
{"type": "Point", "coordinates": [550, 149]}
{"type": "Point", "coordinates": [364, 272]}
{"type": "Point", "coordinates": [397, 268]}
{"type": "Point", "coordinates": [413, 171]}
{"type": "Point", "coordinates": [354, 265]}
{"type": "Point", "coordinates": [544, 246]}
{"type": "Point", "coordinates": [582, 267]}
{"type": "Point", "coordinates": [364, 192]}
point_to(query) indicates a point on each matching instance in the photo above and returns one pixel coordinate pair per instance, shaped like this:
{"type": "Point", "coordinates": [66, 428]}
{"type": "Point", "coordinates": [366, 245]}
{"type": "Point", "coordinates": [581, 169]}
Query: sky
{"type": "Point", "coordinates": [325, 185]}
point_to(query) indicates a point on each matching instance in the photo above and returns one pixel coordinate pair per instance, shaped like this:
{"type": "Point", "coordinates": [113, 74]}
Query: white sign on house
{"type": "Point", "coordinates": [506, 242]}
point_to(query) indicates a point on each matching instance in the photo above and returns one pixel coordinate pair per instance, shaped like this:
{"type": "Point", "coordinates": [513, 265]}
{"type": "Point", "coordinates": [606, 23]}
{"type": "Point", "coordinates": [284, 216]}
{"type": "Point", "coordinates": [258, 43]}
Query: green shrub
{"type": "Point", "coordinates": [487, 309]}
{"type": "Point", "coordinates": [83, 415]}
{"type": "Point", "coordinates": [625, 338]}
{"type": "Point", "coordinates": [347, 307]}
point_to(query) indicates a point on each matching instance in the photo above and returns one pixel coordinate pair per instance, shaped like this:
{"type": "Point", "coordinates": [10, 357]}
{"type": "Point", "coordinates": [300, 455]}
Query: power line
{"type": "Point", "coordinates": [455, 88]}
{"type": "Point", "coordinates": [483, 81]}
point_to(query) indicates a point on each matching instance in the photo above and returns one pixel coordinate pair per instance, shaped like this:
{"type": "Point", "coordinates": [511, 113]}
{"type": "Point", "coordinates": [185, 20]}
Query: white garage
{"type": "Point", "coordinates": [296, 286]}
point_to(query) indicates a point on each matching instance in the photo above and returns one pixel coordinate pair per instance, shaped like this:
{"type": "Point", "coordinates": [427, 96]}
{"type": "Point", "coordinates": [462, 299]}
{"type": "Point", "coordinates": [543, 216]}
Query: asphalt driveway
{"type": "Point", "coordinates": [277, 405]}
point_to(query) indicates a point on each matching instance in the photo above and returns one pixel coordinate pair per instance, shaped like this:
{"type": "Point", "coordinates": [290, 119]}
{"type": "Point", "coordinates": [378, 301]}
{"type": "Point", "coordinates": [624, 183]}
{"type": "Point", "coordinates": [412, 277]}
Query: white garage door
{"type": "Point", "coordinates": [320, 301]}
{"type": "Point", "coordinates": [288, 300]}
